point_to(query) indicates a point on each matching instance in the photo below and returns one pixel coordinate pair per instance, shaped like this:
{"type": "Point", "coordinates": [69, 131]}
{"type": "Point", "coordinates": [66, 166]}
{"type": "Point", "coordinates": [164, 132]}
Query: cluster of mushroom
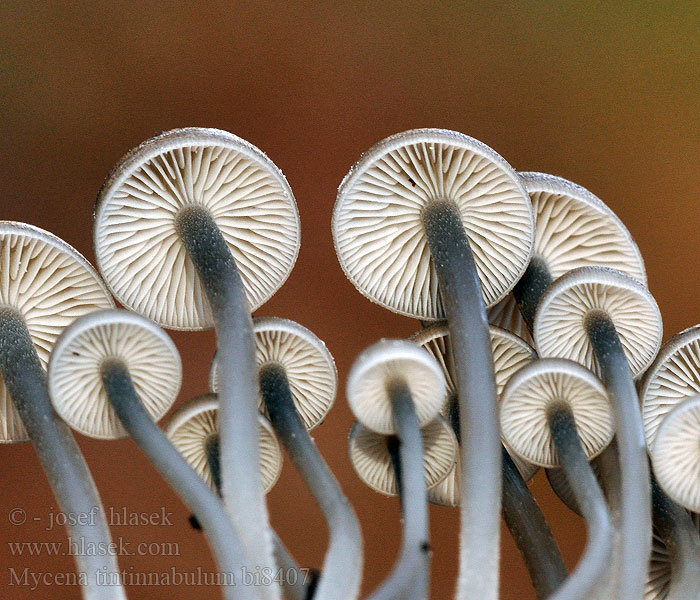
{"type": "Point", "coordinates": [197, 228]}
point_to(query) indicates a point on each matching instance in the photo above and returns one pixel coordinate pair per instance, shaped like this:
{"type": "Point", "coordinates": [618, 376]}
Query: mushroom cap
{"type": "Point", "coordinates": [50, 284]}
{"type": "Point", "coordinates": [574, 228]}
{"type": "Point", "coordinates": [309, 366]}
{"type": "Point", "coordinates": [658, 583]}
{"type": "Point", "coordinates": [139, 251]}
{"type": "Point", "coordinates": [383, 363]}
{"type": "Point", "coordinates": [377, 221]}
{"type": "Point", "coordinates": [197, 420]}
{"type": "Point", "coordinates": [370, 457]}
{"type": "Point", "coordinates": [673, 377]}
{"type": "Point", "coordinates": [75, 378]}
{"type": "Point", "coordinates": [561, 487]}
{"type": "Point", "coordinates": [531, 393]}
{"type": "Point", "coordinates": [676, 454]}
{"type": "Point", "coordinates": [560, 330]}
{"type": "Point", "coordinates": [506, 315]}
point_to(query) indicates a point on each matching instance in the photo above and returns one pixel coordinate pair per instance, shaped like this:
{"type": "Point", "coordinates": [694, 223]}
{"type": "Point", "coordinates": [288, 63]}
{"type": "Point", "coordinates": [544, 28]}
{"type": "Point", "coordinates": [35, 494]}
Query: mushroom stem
{"type": "Point", "coordinates": [410, 577]}
{"type": "Point", "coordinates": [60, 457]}
{"type": "Point", "coordinates": [531, 532]}
{"type": "Point", "coordinates": [681, 538]}
{"type": "Point", "coordinates": [526, 524]}
{"type": "Point", "coordinates": [207, 507]}
{"type": "Point", "coordinates": [635, 500]}
{"type": "Point", "coordinates": [478, 406]}
{"type": "Point", "coordinates": [296, 590]}
{"type": "Point", "coordinates": [242, 486]}
{"type": "Point", "coordinates": [589, 497]}
{"type": "Point", "coordinates": [342, 568]}
{"type": "Point", "coordinates": [530, 288]}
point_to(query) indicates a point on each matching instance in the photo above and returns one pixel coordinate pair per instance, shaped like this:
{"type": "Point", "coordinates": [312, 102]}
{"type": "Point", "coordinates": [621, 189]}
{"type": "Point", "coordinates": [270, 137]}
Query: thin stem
{"type": "Point", "coordinates": [526, 523]}
{"type": "Point", "coordinates": [530, 288]}
{"type": "Point", "coordinates": [635, 507]}
{"type": "Point", "coordinates": [237, 386]}
{"type": "Point", "coordinates": [589, 497]}
{"type": "Point", "coordinates": [182, 478]}
{"type": "Point", "coordinates": [342, 568]}
{"type": "Point", "coordinates": [60, 457]}
{"type": "Point", "coordinates": [683, 543]}
{"type": "Point", "coordinates": [531, 532]}
{"type": "Point", "coordinates": [481, 451]}
{"type": "Point", "coordinates": [299, 588]}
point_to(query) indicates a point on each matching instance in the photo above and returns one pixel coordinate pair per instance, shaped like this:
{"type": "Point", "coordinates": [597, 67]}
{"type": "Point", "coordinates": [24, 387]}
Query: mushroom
{"type": "Point", "coordinates": [44, 285]}
{"type": "Point", "coordinates": [394, 387]}
{"type": "Point", "coordinates": [520, 510]}
{"type": "Point", "coordinates": [673, 377]}
{"type": "Point", "coordinates": [431, 223]}
{"type": "Point", "coordinates": [611, 324]}
{"type": "Point", "coordinates": [560, 485]}
{"type": "Point", "coordinates": [298, 377]}
{"type": "Point", "coordinates": [194, 431]}
{"type": "Point", "coordinates": [197, 225]}
{"type": "Point", "coordinates": [114, 371]}
{"type": "Point", "coordinates": [554, 412]}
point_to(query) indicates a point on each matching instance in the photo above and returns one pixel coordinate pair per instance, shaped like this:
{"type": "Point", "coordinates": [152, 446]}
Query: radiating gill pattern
{"type": "Point", "coordinates": [197, 421]}
{"type": "Point", "coordinates": [308, 364]}
{"type": "Point", "coordinates": [50, 284]}
{"type": "Point", "coordinates": [367, 387]}
{"type": "Point", "coordinates": [574, 229]}
{"type": "Point", "coordinates": [140, 252]}
{"type": "Point", "coordinates": [76, 385]}
{"type": "Point", "coordinates": [560, 321]}
{"type": "Point", "coordinates": [529, 396]}
{"type": "Point", "coordinates": [676, 454]}
{"type": "Point", "coordinates": [370, 457]}
{"type": "Point", "coordinates": [506, 315]}
{"type": "Point", "coordinates": [378, 229]}
{"type": "Point", "coordinates": [658, 583]}
{"type": "Point", "coordinates": [673, 377]}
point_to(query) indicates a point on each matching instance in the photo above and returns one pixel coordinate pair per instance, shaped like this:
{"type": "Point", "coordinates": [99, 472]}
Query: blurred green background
{"type": "Point", "coordinates": [606, 94]}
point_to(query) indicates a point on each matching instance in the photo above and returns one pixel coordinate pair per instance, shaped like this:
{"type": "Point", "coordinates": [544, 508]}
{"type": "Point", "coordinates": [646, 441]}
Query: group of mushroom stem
{"type": "Point", "coordinates": [196, 228]}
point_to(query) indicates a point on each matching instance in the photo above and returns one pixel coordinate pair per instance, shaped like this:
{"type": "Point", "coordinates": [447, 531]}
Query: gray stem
{"type": "Point", "coordinates": [237, 387]}
{"type": "Point", "coordinates": [198, 496]}
{"type": "Point", "coordinates": [530, 288]}
{"type": "Point", "coordinates": [635, 501]}
{"type": "Point", "coordinates": [589, 497]}
{"type": "Point", "coordinates": [481, 451]}
{"type": "Point", "coordinates": [342, 568]}
{"type": "Point", "coordinates": [60, 457]}
{"type": "Point", "coordinates": [683, 543]}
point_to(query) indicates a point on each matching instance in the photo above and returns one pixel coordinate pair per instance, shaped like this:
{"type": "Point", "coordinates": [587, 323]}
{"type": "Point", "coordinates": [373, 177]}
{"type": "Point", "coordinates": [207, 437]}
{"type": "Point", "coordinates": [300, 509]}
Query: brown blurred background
{"type": "Point", "coordinates": [605, 94]}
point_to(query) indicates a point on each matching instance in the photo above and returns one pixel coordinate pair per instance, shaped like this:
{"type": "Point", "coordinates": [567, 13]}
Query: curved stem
{"type": "Point", "coordinates": [237, 387]}
{"type": "Point", "coordinates": [60, 457]}
{"type": "Point", "coordinates": [530, 288]}
{"type": "Point", "coordinates": [182, 478]}
{"type": "Point", "coordinates": [481, 451]}
{"type": "Point", "coordinates": [526, 523]}
{"type": "Point", "coordinates": [635, 501]}
{"type": "Point", "coordinates": [531, 532]}
{"type": "Point", "coordinates": [681, 538]}
{"type": "Point", "coordinates": [589, 497]}
{"type": "Point", "coordinates": [342, 568]}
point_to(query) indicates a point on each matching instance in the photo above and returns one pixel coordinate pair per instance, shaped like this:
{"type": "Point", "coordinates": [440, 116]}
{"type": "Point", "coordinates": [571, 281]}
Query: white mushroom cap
{"type": "Point", "coordinates": [139, 251]}
{"type": "Point", "coordinates": [377, 221]}
{"type": "Point", "coordinates": [673, 376]}
{"type": "Point", "coordinates": [309, 366]}
{"type": "Point", "coordinates": [75, 377]}
{"type": "Point", "coordinates": [371, 459]}
{"type": "Point", "coordinates": [193, 424]}
{"type": "Point", "coordinates": [560, 329]}
{"type": "Point", "coordinates": [676, 454]}
{"type": "Point", "coordinates": [658, 583]}
{"type": "Point", "coordinates": [382, 364]}
{"type": "Point", "coordinates": [574, 228]}
{"type": "Point", "coordinates": [506, 315]}
{"type": "Point", "coordinates": [534, 390]}
{"type": "Point", "coordinates": [50, 284]}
